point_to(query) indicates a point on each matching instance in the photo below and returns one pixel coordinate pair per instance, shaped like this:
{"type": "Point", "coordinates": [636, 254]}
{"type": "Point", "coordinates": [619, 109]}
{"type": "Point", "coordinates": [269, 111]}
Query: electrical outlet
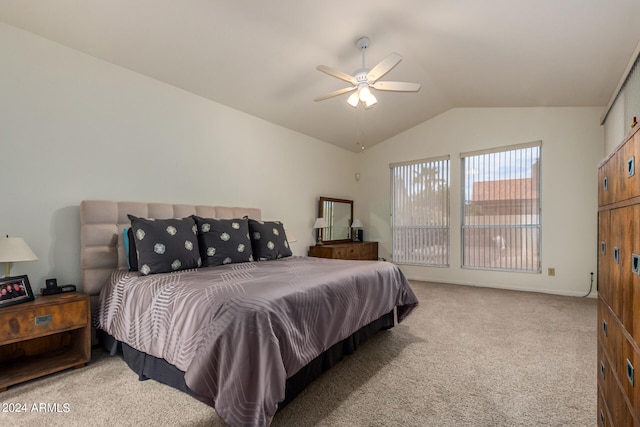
{"type": "Point", "coordinates": [551, 271]}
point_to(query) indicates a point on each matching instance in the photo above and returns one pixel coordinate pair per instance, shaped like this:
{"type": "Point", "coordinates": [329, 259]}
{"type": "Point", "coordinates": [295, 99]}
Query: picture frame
{"type": "Point", "coordinates": [15, 290]}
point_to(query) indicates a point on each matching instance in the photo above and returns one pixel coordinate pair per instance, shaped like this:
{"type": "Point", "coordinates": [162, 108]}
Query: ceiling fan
{"type": "Point", "coordinates": [364, 79]}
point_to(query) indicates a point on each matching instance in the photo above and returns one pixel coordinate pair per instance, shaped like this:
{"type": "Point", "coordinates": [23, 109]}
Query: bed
{"type": "Point", "coordinates": [242, 334]}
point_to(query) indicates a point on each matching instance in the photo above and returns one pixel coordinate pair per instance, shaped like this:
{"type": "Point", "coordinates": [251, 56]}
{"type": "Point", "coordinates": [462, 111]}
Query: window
{"type": "Point", "coordinates": [501, 226]}
{"type": "Point", "coordinates": [420, 212]}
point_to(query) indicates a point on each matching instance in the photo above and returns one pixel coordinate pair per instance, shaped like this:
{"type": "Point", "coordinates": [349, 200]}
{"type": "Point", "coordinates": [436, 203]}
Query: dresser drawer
{"type": "Point", "coordinates": [42, 320]}
{"type": "Point", "coordinates": [352, 251]}
{"type": "Point", "coordinates": [361, 252]}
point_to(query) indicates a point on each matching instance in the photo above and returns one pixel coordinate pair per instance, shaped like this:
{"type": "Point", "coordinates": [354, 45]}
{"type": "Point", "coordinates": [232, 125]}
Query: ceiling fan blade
{"type": "Point", "coordinates": [383, 67]}
{"type": "Point", "coordinates": [336, 93]}
{"type": "Point", "coordinates": [339, 74]}
{"type": "Point", "coordinates": [397, 86]}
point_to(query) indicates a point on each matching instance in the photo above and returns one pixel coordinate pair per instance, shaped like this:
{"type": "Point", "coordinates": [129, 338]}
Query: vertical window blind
{"type": "Point", "coordinates": [420, 212]}
{"type": "Point", "coordinates": [501, 224]}
{"type": "Point", "coordinates": [631, 93]}
{"type": "Point", "coordinates": [625, 100]}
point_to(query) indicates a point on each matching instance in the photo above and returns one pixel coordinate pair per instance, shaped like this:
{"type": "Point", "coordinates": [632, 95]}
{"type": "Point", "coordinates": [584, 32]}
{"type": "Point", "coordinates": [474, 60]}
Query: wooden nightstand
{"type": "Point", "coordinates": [47, 335]}
{"type": "Point", "coordinates": [352, 250]}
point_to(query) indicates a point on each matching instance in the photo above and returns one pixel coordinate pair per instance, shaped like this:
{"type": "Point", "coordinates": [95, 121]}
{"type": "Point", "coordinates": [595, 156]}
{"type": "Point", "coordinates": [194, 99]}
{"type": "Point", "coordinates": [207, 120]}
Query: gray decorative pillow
{"type": "Point", "coordinates": [165, 245]}
{"type": "Point", "coordinates": [223, 241]}
{"type": "Point", "coordinates": [268, 240]}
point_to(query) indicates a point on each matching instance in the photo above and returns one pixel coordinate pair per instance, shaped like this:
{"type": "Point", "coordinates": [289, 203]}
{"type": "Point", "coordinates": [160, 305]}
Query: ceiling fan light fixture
{"type": "Point", "coordinates": [365, 93]}
{"type": "Point", "coordinates": [364, 96]}
{"type": "Point", "coordinates": [370, 101]}
{"type": "Point", "coordinates": [353, 99]}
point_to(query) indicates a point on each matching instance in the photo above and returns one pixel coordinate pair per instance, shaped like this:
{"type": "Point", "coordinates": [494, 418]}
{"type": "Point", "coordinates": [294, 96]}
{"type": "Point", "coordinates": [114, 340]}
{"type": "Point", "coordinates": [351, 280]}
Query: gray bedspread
{"type": "Point", "coordinates": [239, 331]}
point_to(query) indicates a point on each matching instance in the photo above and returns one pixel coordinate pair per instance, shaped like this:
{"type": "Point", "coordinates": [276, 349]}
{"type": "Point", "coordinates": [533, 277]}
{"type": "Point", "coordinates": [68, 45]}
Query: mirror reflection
{"type": "Point", "coordinates": [338, 213]}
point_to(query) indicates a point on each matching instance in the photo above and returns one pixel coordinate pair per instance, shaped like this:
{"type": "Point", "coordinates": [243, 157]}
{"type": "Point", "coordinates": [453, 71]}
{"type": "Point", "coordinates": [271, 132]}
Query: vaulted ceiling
{"type": "Point", "coordinates": [260, 57]}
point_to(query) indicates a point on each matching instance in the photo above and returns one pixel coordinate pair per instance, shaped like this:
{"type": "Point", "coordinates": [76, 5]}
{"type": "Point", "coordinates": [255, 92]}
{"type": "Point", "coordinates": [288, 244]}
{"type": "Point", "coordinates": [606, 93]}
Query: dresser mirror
{"type": "Point", "coordinates": [338, 214]}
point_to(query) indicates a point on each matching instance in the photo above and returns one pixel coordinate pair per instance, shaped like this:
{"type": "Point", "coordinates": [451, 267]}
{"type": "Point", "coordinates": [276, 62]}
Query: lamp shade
{"type": "Point", "coordinates": [356, 223]}
{"type": "Point", "coordinates": [15, 249]}
{"type": "Point", "coordinates": [353, 99]}
{"type": "Point", "coordinates": [370, 101]}
{"type": "Point", "coordinates": [320, 223]}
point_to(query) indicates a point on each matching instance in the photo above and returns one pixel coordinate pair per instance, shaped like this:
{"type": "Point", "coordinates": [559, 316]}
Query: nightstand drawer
{"type": "Point", "coordinates": [44, 320]}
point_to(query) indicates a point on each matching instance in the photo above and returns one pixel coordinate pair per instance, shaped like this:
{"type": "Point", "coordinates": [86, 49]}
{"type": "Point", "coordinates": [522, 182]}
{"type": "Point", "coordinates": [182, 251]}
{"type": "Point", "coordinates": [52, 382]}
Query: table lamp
{"type": "Point", "coordinates": [355, 225]}
{"type": "Point", "coordinates": [319, 224]}
{"type": "Point", "coordinates": [14, 249]}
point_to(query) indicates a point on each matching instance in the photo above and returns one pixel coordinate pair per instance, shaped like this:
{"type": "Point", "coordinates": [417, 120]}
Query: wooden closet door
{"type": "Point", "coordinates": [610, 337]}
{"type": "Point", "coordinates": [624, 223]}
{"type": "Point", "coordinates": [635, 181]}
{"type": "Point", "coordinates": [604, 256]}
{"type": "Point", "coordinates": [634, 277]}
{"type": "Point", "coordinates": [635, 284]}
{"type": "Point", "coordinates": [619, 286]}
{"type": "Point", "coordinates": [603, 193]}
{"type": "Point", "coordinates": [629, 173]}
{"type": "Point", "coordinates": [615, 257]}
{"type": "Point", "coordinates": [614, 176]}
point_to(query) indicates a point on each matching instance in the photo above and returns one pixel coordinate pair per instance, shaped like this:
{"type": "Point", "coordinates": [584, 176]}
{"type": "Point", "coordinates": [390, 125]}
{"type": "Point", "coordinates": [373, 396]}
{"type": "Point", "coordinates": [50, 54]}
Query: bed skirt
{"type": "Point", "coordinates": [150, 367]}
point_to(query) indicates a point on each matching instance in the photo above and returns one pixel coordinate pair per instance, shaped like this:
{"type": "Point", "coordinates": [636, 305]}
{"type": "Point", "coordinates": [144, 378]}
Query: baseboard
{"type": "Point", "coordinates": [593, 294]}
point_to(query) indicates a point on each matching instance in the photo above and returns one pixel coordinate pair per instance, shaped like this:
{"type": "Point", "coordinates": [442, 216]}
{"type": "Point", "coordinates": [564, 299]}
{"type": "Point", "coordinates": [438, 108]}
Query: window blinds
{"type": "Point", "coordinates": [420, 212]}
{"type": "Point", "coordinates": [501, 224]}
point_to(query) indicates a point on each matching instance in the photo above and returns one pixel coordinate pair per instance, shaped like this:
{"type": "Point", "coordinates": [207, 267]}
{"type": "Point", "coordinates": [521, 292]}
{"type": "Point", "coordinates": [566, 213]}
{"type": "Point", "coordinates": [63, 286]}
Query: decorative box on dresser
{"type": "Point", "coordinates": [619, 285]}
{"type": "Point", "coordinates": [350, 250]}
{"type": "Point", "coordinates": [43, 336]}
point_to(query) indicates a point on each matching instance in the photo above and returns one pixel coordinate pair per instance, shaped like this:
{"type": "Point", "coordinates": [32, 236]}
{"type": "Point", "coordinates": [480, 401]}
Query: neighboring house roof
{"type": "Point", "coordinates": [505, 189]}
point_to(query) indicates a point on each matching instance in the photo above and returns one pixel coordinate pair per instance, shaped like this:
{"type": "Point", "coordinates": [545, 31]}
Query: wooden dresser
{"type": "Point", "coordinates": [350, 250]}
{"type": "Point", "coordinates": [619, 285]}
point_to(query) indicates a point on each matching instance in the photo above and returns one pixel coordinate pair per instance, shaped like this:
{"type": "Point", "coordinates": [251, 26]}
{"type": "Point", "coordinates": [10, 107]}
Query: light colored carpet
{"type": "Point", "coordinates": [465, 357]}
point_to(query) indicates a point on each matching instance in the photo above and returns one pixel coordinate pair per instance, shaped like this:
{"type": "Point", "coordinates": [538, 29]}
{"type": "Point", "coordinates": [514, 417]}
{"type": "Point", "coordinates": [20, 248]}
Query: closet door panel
{"type": "Point", "coordinates": [634, 274]}
{"type": "Point", "coordinates": [604, 256]}
{"type": "Point", "coordinates": [635, 181]}
{"type": "Point", "coordinates": [615, 256]}
{"type": "Point", "coordinates": [627, 157]}
{"type": "Point", "coordinates": [603, 186]}
{"type": "Point", "coordinates": [625, 229]}
{"type": "Point", "coordinates": [614, 177]}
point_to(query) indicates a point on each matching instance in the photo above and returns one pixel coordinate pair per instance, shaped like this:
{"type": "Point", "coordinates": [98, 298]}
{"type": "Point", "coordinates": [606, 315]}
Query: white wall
{"type": "Point", "coordinates": [573, 145]}
{"type": "Point", "coordinates": [73, 127]}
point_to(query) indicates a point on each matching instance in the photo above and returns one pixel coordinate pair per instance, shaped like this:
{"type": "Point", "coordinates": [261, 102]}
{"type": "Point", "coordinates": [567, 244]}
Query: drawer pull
{"type": "Point", "coordinates": [605, 328]}
{"type": "Point", "coordinates": [631, 167]}
{"type": "Point", "coordinates": [616, 255]}
{"type": "Point", "coordinates": [630, 372]}
{"type": "Point", "coordinates": [602, 369]}
{"type": "Point", "coordinates": [601, 418]}
{"type": "Point", "coordinates": [43, 320]}
{"type": "Point", "coordinates": [605, 183]}
{"type": "Point", "coordinates": [635, 263]}
{"type": "Point", "coordinates": [603, 248]}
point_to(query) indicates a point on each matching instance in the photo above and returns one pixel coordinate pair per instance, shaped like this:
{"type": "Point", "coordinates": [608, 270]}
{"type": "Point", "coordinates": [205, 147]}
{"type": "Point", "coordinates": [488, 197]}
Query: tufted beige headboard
{"type": "Point", "coordinates": [101, 237]}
